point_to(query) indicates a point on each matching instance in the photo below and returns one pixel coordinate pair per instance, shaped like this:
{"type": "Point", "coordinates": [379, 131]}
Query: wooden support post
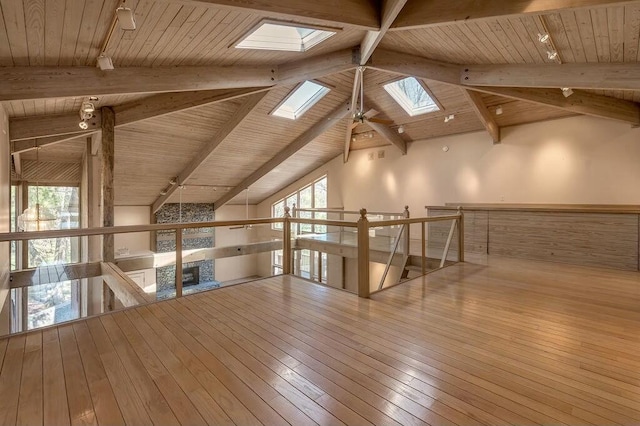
{"type": "Point", "coordinates": [178, 262]}
{"type": "Point", "coordinates": [107, 146]}
{"type": "Point", "coordinates": [286, 242]}
{"type": "Point", "coordinates": [24, 245]}
{"type": "Point", "coordinates": [460, 235]}
{"type": "Point", "coordinates": [424, 254]}
{"type": "Point", "coordinates": [363, 255]}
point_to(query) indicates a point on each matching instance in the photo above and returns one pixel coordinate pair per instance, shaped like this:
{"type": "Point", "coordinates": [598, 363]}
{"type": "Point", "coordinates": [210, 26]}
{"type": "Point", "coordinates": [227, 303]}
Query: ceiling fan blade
{"type": "Point", "coordinates": [371, 113]}
{"type": "Point", "coordinates": [380, 121]}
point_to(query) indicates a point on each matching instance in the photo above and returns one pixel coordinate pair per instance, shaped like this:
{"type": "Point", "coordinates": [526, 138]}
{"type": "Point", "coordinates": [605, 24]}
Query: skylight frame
{"type": "Point", "coordinates": [314, 39]}
{"type": "Point", "coordinates": [309, 103]}
{"type": "Point", "coordinates": [402, 99]}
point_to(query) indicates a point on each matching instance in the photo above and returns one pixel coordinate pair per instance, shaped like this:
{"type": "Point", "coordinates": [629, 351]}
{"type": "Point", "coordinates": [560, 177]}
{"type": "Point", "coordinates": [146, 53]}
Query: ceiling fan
{"type": "Point", "coordinates": [359, 115]}
{"type": "Point", "coordinates": [246, 208]}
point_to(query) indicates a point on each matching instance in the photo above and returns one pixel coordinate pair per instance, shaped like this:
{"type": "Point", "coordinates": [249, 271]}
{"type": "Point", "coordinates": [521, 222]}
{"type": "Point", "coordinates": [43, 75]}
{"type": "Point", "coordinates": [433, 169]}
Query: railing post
{"type": "Point", "coordinates": [179, 262]}
{"type": "Point", "coordinates": [460, 235]}
{"type": "Point", "coordinates": [286, 242]}
{"type": "Point", "coordinates": [424, 254]}
{"type": "Point", "coordinates": [407, 241]}
{"type": "Point", "coordinates": [363, 255]}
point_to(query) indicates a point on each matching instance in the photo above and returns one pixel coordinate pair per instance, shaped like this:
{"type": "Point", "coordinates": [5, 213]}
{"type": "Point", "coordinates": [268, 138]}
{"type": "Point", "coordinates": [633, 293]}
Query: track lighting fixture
{"type": "Point", "coordinates": [125, 18]}
{"type": "Point", "coordinates": [567, 91]}
{"type": "Point", "coordinates": [83, 125]}
{"type": "Point", "coordinates": [401, 129]}
{"type": "Point", "coordinates": [163, 192]}
{"type": "Point", "coordinates": [173, 181]}
{"type": "Point", "coordinates": [105, 63]}
{"type": "Point", "coordinates": [499, 110]}
{"type": "Point", "coordinates": [87, 107]}
{"type": "Point", "coordinates": [552, 55]}
{"type": "Point", "coordinates": [449, 117]}
{"type": "Point", "coordinates": [543, 38]}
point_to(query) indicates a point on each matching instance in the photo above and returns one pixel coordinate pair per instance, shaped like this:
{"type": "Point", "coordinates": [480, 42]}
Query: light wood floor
{"type": "Point", "coordinates": [510, 342]}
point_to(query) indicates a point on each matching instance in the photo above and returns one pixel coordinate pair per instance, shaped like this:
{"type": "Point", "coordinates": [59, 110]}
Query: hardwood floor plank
{"type": "Point", "coordinates": [205, 403]}
{"type": "Point", "coordinates": [81, 410]}
{"type": "Point", "coordinates": [10, 383]}
{"type": "Point", "coordinates": [55, 407]}
{"type": "Point", "coordinates": [102, 394]}
{"type": "Point", "coordinates": [179, 403]}
{"type": "Point", "coordinates": [156, 405]}
{"type": "Point", "coordinates": [30, 405]}
{"type": "Point", "coordinates": [131, 405]}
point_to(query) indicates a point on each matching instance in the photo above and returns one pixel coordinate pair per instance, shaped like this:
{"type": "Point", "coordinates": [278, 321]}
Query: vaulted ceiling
{"type": "Point", "coordinates": [190, 105]}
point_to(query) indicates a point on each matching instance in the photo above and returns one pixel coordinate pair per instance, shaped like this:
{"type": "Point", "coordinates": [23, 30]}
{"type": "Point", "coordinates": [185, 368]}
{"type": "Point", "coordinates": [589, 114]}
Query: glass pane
{"type": "Point", "coordinates": [278, 211]}
{"type": "Point", "coordinates": [411, 96]}
{"type": "Point", "coordinates": [320, 192]}
{"type": "Point", "coordinates": [52, 303]}
{"type": "Point", "coordinates": [291, 200]}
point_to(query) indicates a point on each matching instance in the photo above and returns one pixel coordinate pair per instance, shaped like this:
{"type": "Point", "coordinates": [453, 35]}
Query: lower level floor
{"type": "Point", "coordinates": [502, 342]}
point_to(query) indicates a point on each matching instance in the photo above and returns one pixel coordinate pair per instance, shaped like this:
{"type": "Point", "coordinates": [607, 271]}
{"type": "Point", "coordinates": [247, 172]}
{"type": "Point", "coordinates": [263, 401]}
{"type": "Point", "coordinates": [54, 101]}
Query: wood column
{"type": "Point", "coordinates": [107, 149]}
{"type": "Point", "coordinates": [363, 255]}
{"type": "Point", "coordinates": [286, 242]}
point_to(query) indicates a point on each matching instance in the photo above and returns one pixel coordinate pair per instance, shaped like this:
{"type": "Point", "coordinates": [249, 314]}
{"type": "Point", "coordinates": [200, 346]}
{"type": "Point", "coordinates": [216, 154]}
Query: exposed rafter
{"type": "Point", "coordinates": [580, 102]}
{"type": "Point", "coordinates": [39, 82]}
{"type": "Point", "coordinates": [51, 82]}
{"type": "Point", "coordinates": [475, 99]}
{"type": "Point", "coordinates": [326, 123]}
{"type": "Point", "coordinates": [421, 14]}
{"type": "Point", "coordinates": [245, 109]}
{"type": "Point", "coordinates": [605, 76]}
{"type": "Point", "coordinates": [21, 128]}
{"type": "Point", "coordinates": [29, 144]}
{"type": "Point", "coordinates": [390, 10]}
{"type": "Point", "coordinates": [17, 164]}
{"type": "Point", "coordinates": [389, 135]}
{"type": "Point", "coordinates": [405, 64]}
{"type": "Point", "coordinates": [583, 103]}
{"type": "Point", "coordinates": [337, 13]}
{"type": "Point", "coordinates": [355, 92]}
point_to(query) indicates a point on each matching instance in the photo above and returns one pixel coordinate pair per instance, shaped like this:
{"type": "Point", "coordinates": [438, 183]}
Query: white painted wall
{"type": "Point", "coordinates": [5, 208]}
{"type": "Point", "coordinates": [132, 215]}
{"type": "Point", "coordinates": [234, 268]}
{"type": "Point", "coordinates": [580, 160]}
{"type": "Point", "coordinates": [574, 160]}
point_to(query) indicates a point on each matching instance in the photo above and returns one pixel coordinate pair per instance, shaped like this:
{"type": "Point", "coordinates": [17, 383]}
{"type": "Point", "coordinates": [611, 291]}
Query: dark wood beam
{"type": "Point", "coordinates": [475, 99]}
{"type": "Point", "coordinates": [21, 128]}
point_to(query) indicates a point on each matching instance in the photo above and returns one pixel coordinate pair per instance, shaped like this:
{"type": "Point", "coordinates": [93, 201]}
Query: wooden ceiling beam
{"type": "Point", "coordinates": [355, 93]}
{"type": "Point", "coordinates": [389, 135]}
{"type": "Point", "coordinates": [475, 99]}
{"type": "Point", "coordinates": [20, 146]}
{"type": "Point", "coordinates": [21, 83]}
{"type": "Point", "coordinates": [603, 76]}
{"type": "Point", "coordinates": [317, 66]}
{"type": "Point", "coordinates": [406, 64]}
{"type": "Point", "coordinates": [249, 104]}
{"type": "Point", "coordinates": [169, 103]}
{"type": "Point", "coordinates": [580, 102]}
{"type": "Point", "coordinates": [390, 10]}
{"type": "Point", "coordinates": [422, 14]}
{"type": "Point", "coordinates": [326, 123]}
{"type": "Point", "coordinates": [22, 128]}
{"type": "Point", "coordinates": [335, 13]}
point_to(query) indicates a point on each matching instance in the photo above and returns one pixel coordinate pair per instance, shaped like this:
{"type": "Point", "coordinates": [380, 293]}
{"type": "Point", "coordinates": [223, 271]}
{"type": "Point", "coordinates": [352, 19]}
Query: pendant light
{"type": "Point", "coordinates": [36, 217]}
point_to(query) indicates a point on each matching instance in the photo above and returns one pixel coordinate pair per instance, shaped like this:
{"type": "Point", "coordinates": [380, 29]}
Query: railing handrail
{"type": "Point", "coordinates": [342, 223]}
{"type": "Point", "coordinates": [320, 210]}
{"type": "Point", "coordinates": [83, 232]}
{"type": "Point", "coordinates": [414, 220]}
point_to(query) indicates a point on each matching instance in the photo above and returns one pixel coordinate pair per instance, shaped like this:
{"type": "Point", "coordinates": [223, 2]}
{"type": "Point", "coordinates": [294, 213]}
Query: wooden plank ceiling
{"type": "Point", "coordinates": [46, 34]}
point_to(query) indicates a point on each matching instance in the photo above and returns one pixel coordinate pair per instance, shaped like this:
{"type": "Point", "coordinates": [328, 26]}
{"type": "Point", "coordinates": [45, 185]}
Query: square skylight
{"type": "Point", "coordinates": [282, 36]}
{"type": "Point", "coordinates": [300, 100]}
{"type": "Point", "coordinates": [412, 96]}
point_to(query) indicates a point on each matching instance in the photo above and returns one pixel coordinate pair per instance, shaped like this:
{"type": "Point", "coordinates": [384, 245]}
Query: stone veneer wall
{"type": "Point", "coordinates": [191, 239]}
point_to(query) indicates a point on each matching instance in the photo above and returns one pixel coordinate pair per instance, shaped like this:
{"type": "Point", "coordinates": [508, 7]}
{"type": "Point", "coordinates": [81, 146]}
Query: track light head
{"type": "Point", "coordinates": [401, 129]}
{"type": "Point", "coordinates": [543, 38]}
{"type": "Point", "coordinates": [83, 125]}
{"type": "Point", "coordinates": [499, 110]}
{"type": "Point", "coordinates": [567, 91]}
{"type": "Point", "coordinates": [449, 117]}
{"type": "Point", "coordinates": [105, 63]}
{"type": "Point", "coordinates": [125, 18]}
{"type": "Point", "coordinates": [552, 55]}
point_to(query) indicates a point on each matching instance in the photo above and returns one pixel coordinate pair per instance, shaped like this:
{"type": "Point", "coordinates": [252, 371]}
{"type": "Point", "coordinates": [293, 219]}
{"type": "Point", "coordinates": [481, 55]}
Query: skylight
{"type": "Point", "coordinates": [300, 100]}
{"type": "Point", "coordinates": [275, 36]}
{"type": "Point", "coordinates": [411, 96]}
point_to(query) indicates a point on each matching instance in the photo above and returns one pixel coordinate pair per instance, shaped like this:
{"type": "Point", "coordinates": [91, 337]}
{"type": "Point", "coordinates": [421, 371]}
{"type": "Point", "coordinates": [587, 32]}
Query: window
{"type": "Point", "coordinates": [412, 96]}
{"type": "Point", "coordinates": [312, 196]}
{"type": "Point", "coordinates": [283, 36]}
{"type": "Point", "coordinates": [300, 100]}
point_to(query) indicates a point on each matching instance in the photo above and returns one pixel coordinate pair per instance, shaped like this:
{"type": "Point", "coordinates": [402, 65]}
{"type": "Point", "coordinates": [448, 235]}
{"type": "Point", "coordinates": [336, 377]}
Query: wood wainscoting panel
{"type": "Point", "coordinates": [603, 240]}
{"type": "Point", "coordinates": [476, 227]}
